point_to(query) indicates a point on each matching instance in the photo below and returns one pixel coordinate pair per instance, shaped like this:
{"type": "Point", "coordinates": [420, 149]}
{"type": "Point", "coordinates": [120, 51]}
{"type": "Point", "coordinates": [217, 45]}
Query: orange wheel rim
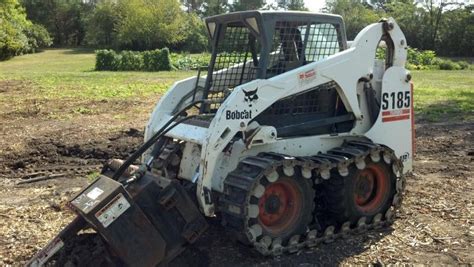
{"type": "Point", "coordinates": [371, 188]}
{"type": "Point", "coordinates": [280, 206]}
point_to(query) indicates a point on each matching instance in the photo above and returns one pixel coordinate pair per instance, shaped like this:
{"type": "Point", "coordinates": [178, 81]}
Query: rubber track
{"type": "Point", "coordinates": [239, 184]}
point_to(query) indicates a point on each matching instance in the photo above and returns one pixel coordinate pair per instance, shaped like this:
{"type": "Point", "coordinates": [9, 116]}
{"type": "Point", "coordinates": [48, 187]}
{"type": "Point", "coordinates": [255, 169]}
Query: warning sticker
{"type": "Point", "coordinates": [306, 77]}
{"type": "Point", "coordinates": [95, 193]}
{"type": "Point", "coordinates": [112, 210]}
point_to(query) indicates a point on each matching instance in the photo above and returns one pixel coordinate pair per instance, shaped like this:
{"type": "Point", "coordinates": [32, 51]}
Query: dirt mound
{"type": "Point", "coordinates": [53, 150]}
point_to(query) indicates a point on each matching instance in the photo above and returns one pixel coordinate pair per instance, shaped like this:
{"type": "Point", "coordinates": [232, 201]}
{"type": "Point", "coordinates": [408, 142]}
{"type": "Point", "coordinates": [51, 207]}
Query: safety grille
{"type": "Point", "coordinates": [320, 99]}
{"type": "Point", "coordinates": [298, 43]}
{"type": "Point", "coordinates": [235, 63]}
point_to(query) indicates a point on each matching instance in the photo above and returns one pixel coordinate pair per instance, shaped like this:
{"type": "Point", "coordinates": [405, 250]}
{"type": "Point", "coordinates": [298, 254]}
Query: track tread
{"type": "Point", "coordinates": [240, 182]}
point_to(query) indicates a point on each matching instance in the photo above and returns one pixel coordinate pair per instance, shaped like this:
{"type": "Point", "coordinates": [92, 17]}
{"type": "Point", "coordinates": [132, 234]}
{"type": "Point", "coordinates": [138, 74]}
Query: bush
{"type": "Point", "coordinates": [464, 65]}
{"type": "Point", "coordinates": [164, 61]}
{"type": "Point", "coordinates": [427, 57]}
{"type": "Point", "coordinates": [151, 60]}
{"type": "Point", "coordinates": [38, 37]}
{"type": "Point", "coordinates": [427, 60]}
{"type": "Point", "coordinates": [107, 60]}
{"type": "Point", "coordinates": [190, 62]}
{"type": "Point", "coordinates": [131, 60]}
{"type": "Point", "coordinates": [449, 65]}
{"type": "Point", "coordinates": [154, 60]}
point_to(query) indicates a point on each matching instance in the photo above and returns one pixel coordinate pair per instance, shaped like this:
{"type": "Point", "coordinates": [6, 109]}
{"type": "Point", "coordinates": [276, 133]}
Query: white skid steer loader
{"type": "Point", "coordinates": [293, 138]}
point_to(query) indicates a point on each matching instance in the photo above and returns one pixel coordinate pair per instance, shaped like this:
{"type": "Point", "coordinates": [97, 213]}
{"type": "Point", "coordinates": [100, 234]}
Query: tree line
{"type": "Point", "coordinates": [154, 24]}
{"type": "Point", "coordinates": [447, 28]}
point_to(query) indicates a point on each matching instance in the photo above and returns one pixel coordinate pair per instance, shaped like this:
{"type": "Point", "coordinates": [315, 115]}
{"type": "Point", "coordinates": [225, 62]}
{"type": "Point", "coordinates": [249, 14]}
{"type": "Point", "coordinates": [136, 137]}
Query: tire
{"type": "Point", "coordinates": [286, 207]}
{"type": "Point", "coordinates": [362, 193]}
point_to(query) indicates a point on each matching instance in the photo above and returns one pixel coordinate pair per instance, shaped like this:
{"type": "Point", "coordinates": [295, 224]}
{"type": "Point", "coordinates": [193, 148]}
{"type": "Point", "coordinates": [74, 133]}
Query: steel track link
{"type": "Point", "coordinates": [241, 187]}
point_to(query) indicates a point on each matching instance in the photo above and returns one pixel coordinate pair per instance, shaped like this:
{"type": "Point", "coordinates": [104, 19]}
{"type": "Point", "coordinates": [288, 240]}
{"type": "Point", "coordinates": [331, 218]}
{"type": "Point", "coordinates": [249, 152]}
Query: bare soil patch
{"type": "Point", "coordinates": [435, 225]}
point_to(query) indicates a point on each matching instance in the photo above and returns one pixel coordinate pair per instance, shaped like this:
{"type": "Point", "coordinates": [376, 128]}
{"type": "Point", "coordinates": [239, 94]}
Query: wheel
{"type": "Point", "coordinates": [267, 201]}
{"type": "Point", "coordinates": [281, 207]}
{"type": "Point", "coordinates": [362, 193]}
{"type": "Point", "coordinates": [285, 208]}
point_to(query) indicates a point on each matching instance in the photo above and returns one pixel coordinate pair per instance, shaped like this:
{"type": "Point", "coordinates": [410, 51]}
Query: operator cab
{"type": "Point", "coordinates": [261, 44]}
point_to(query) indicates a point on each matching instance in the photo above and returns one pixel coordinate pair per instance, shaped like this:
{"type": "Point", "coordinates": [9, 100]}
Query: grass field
{"type": "Point", "coordinates": [64, 73]}
{"type": "Point", "coordinates": [67, 74]}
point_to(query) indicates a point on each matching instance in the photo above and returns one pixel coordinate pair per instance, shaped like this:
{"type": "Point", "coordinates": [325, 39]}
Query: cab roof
{"type": "Point", "coordinates": [275, 15]}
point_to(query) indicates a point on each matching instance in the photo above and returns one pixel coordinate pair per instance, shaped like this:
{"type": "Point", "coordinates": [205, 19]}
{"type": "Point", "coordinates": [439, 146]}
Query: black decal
{"type": "Point", "coordinates": [405, 157]}
{"type": "Point", "coordinates": [407, 99]}
{"type": "Point", "coordinates": [396, 100]}
{"type": "Point", "coordinates": [385, 101]}
{"type": "Point", "coordinates": [392, 95]}
{"type": "Point", "coordinates": [250, 96]}
{"type": "Point", "coordinates": [238, 115]}
{"type": "Point", "coordinates": [400, 100]}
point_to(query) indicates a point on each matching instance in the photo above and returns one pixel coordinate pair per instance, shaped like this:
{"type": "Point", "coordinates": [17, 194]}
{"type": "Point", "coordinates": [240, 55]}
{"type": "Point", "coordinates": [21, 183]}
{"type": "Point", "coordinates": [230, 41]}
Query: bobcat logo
{"type": "Point", "coordinates": [250, 96]}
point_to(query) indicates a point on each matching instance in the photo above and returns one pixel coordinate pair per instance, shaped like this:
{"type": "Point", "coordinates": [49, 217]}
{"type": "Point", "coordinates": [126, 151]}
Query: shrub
{"type": "Point", "coordinates": [38, 37]}
{"type": "Point", "coordinates": [131, 60]}
{"type": "Point", "coordinates": [464, 65]}
{"type": "Point", "coordinates": [151, 60]}
{"type": "Point", "coordinates": [157, 60]}
{"type": "Point", "coordinates": [190, 62]}
{"type": "Point", "coordinates": [107, 60]}
{"type": "Point", "coordinates": [449, 65]}
{"type": "Point", "coordinates": [164, 61]}
{"type": "Point", "coordinates": [427, 57]}
{"type": "Point", "coordinates": [427, 60]}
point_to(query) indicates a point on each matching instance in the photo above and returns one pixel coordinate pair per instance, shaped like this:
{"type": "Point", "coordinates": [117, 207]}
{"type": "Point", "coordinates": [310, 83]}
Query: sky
{"type": "Point", "coordinates": [314, 5]}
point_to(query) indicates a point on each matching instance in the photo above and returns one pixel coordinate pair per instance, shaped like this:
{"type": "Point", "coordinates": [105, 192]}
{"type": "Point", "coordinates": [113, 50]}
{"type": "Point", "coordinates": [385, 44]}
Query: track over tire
{"type": "Point", "coordinates": [286, 207]}
{"type": "Point", "coordinates": [362, 193]}
{"type": "Point", "coordinates": [84, 250]}
{"type": "Point", "coordinates": [264, 207]}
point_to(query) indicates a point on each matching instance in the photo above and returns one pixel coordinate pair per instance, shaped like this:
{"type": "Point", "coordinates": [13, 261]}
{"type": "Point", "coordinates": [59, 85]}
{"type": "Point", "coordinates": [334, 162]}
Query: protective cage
{"type": "Point", "coordinates": [259, 45]}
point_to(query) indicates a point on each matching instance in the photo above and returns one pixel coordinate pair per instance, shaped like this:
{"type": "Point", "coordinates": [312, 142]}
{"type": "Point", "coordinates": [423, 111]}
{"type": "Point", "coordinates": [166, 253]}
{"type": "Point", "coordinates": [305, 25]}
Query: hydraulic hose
{"type": "Point", "coordinates": [163, 130]}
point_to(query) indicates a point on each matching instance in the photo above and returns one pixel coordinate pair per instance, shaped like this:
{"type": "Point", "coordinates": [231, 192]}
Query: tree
{"type": "Point", "coordinates": [149, 24]}
{"type": "Point", "coordinates": [292, 5]}
{"type": "Point", "coordinates": [17, 34]}
{"type": "Point", "coordinates": [64, 19]}
{"type": "Point", "coordinates": [457, 32]}
{"type": "Point", "coordinates": [100, 24]}
{"type": "Point", "coordinates": [242, 5]}
{"type": "Point", "coordinates": [195, 35]}
{"type": "Point", "coordinates": [410, 17]}
{"type": "Point", "coordinates": [193, 6]}
{"type": "Point", "coordinates": [215, 7]}
{"type": "Point", "coordinates": [356, 15]}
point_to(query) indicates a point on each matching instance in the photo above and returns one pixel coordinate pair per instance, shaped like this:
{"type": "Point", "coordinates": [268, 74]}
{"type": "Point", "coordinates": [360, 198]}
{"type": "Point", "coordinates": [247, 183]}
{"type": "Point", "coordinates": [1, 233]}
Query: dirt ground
{"type": "Point", "coordinates": [435, 226]}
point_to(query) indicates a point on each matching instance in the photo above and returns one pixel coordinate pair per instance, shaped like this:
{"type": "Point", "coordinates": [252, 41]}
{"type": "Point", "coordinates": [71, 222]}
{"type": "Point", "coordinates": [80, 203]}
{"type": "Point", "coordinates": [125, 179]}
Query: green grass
{"type": "Point", "coordinates": [68, 73]}
{"type": "Point", "coordinates": [444, 95]}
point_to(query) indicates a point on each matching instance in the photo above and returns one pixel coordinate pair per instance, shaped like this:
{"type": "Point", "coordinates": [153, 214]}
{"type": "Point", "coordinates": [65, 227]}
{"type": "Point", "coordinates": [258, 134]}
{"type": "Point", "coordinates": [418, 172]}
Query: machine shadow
{"type": "Point", "coordinates": [217, 248]}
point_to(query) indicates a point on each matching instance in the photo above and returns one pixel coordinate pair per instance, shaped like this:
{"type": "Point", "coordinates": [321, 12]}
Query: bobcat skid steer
{"type": "Point", "coordinates": [293, 138]}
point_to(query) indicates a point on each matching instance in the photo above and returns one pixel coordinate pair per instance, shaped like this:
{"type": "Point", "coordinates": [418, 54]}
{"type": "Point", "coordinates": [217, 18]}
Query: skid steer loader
{"type": "Point", "coordinates": [293, 138]}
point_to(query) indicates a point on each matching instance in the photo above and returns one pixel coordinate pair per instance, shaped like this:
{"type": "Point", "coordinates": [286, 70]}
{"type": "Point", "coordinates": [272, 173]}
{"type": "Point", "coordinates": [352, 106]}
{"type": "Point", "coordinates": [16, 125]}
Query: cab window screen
{"type": "Point", "coordinates": [236, 62]}
{"type": "Point", "coordinates": [322, 41]}
{"type": "Point", "coordinates": [298, 43]}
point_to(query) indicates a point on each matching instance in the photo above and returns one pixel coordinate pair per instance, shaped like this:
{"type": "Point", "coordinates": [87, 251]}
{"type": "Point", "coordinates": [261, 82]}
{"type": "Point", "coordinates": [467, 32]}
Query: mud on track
{"type": "Point", "coordinates": [436, 224]}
